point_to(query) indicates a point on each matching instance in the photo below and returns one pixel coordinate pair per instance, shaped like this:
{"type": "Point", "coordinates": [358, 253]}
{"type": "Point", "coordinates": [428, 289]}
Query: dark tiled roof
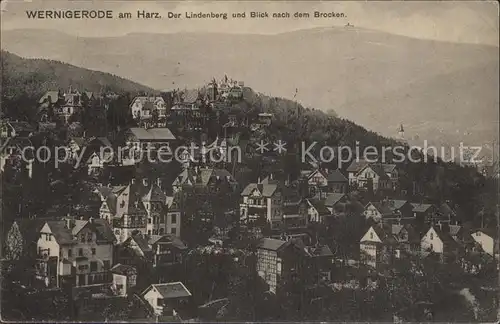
{"type": "Point", "coordinates": [336, 176]}
{"type": "Point", "coordinates": [333, 198]}
{"type": "Point", "coordinates": [357, 165]}
{"type": "Point", "coordinates": [267, 190]}
{"type": "Point", "coordinates": [142, 242]}
{"type": "Point", "coordinates": [169, 239]}
{"type": "Point", "coordinates": [320, 207]}
{"type": "Point", "coordinates": [61, 233]}
{"type": "Point", "coordinates": [271, 244]}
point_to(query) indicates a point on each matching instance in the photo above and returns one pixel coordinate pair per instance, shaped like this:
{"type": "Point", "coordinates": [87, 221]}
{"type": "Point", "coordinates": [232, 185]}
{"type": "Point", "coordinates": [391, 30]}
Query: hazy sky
{"type": "Point", "coordinates": [456, 21]}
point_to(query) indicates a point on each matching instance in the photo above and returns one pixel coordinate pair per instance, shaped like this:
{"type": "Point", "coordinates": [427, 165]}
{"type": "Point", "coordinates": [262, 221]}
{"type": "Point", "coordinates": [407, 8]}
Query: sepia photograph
{"type": "Point", "coordinates": [249, 161]}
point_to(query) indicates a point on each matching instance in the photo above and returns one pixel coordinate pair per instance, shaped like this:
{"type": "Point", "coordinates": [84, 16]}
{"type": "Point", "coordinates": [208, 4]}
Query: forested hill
{"type": "Point", "coordinates": [24, 81]}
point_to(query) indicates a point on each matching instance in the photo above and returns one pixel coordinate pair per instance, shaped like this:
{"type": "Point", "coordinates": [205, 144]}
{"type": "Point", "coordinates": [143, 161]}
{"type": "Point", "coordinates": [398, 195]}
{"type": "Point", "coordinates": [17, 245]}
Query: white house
{"type": "Point", "coordinates": [438, 241]}
{"type": "Point", "coordinates": [486, 237]}
{"type": "Point", "coordinates": [77, 252]}
{"type": "Point", "coordinates": [167, 298]}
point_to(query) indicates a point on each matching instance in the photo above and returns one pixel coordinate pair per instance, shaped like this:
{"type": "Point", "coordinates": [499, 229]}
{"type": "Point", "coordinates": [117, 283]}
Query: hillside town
{"type": "Point", "coordinates": [208, 237]}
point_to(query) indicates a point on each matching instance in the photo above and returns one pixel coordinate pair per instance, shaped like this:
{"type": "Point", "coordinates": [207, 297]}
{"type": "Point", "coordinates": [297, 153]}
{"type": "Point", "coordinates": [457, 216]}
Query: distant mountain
{"type": "Point", "coordinates": [36, 76]}
{"type": "Point", "coordinates": [376, 79]}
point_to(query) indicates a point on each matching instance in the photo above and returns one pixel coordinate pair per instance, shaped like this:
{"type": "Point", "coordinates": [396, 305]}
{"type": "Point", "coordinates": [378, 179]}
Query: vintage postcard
{"type": "Point", "coordinates": [249, 161]}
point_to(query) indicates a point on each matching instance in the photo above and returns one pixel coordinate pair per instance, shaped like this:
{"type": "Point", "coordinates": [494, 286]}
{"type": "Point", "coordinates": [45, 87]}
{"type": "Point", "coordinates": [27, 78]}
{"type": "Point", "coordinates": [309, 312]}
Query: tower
{"type": "Point", "coordinates": [401, 132]}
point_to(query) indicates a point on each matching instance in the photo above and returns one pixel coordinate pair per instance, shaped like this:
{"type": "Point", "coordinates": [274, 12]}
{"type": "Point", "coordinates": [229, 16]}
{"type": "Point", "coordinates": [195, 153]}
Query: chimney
{"type": "Point", "coordinates": [145, 182]}
{"type": "Point", "coordinates": [132, 181]}
{"type": "Point", "coordinates": [91, 220]}
{"type": "Point", "coordinates": [158, 182]}
{"type": "Point", "coordinates": [258, 180]}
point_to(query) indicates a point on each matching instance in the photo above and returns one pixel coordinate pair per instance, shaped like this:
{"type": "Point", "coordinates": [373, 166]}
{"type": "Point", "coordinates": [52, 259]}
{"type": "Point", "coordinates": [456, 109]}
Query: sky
{"type": "Point", "coordinates": [454, 21]}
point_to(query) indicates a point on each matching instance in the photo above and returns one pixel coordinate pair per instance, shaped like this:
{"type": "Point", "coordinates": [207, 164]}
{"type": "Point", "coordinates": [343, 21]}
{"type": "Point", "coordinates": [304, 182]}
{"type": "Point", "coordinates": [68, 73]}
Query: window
{"type": "Point", "coordinates": [371, 236]}
{"type": "Point", "coordinates": [82, 238]}
{"type": "Point", "coordinates": [70, 253]}
{"type": "Point", "coordinates": [89, 237]}
{"type": "Point", "coordinates": [93, 251]}
{"type": "Point", "coordinates": [93, 266]}
{"type": "Point", "coordinates": [80, 252]}
{"type": "Point", "coordinates": [149, 220]}
{"type": "Point", "coordinates": [106, 264]}
{"type": "Point", "coordinates": [432, 236]}
{"type": "Point", "coordinates": [149, 232]}
{"type": "Point", "coordinates": [174, 218]}
{"type": "Point", "coordinates": [172, 230]}
{"type": "Point", "coordinates": [162, 219]}
{"type": "Point", "coordinates": [162, 231]}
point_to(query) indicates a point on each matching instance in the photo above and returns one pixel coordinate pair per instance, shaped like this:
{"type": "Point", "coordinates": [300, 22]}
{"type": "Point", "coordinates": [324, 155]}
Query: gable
{"type": "Point", "coordinates": [371, 236]}
{"type": "Point", "coordinates": [46, 229]}
{"type": "Point", "coordinates": [368, 172]}
{"type": "Point", "coordinates": [255, 193]}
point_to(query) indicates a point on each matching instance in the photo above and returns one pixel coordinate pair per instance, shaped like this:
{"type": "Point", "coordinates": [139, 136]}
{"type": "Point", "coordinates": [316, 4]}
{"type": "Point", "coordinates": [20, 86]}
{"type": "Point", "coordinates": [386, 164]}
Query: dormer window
{"type": "Point", "coordinates": [371, 236]}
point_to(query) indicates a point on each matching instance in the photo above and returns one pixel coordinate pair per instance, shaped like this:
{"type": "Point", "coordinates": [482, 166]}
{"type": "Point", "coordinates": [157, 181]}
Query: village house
{"type": "Point", "coordinates": [377, 246]}
{"type": "Point", "coordinates": [269, 261]}
{"type": "Point", "coordinates": [381, 176]}
{"type": "Point", "coordinates": [337, 182]}
{"type": "Point", "coordinates": [141, 206]}
{"type": "Point", "coordinates": [143, 139]}
{"type": "Point", "coordinates": [317, 181]}
{"type": "Point", "coordinates": [377, 211]}
{"type": "Point", "coordinates": [144, 108]}
{"type": "Point", "coordinates": [167, 249]}
{"type": "Point", "coordinates": [383, 243]}
{"type": "Point", "coordinates": [211, 179]}
{"type": "Point", "coordinates": [439, 241]}
{"type": "Point", "coordinates": [402, 210]}
{"type": "Point", "coordinates": [336, 203]}
{"type": "Point", "coordinates": [278, 260]}
{"type": "Point", "coordinates": [76, 252]}
{"type": "Point", "coordinates": [189, 111]}
{"type": "Point", "coordinates": [124, 210]}
{"type": "Point", "coordinates": [295, 214]}
{"type": "Point", "coordinates": [157, 250]}
{"type": "Point", "coordinates": [97, 153]}
{"type": "Point", "coordinates": [64, 105]}
{"type": "Point", "coordinates": [167, 298]}
{"type": "Point", "coordinates": [124, 278]}
{"type": "Point", "coordinates": [262, 201]}
{"type": "Point", "coordinates": [317, 211]}
{"type": "Point", "coordinates": [487, 239]}
{"type": "Point", "coordinates": [424, 213]}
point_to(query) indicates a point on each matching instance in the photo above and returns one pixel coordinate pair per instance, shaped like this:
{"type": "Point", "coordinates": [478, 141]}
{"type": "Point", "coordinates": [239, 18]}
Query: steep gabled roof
{"type": "Point", "coordinates": [395, 204]}
{"type": "Point", "coordinates": [167, 239]}
{"type": "Point", "coordinates": [357, 165]}
{"type": "Point", "coordinates": [319, 205]}
{"type": "Point", "coordinates": [267, 190]}
{"type": "Point", "coordinates": [271, 244]}
{"type": "Point", "coordinates": [421, 208]}
{"type": "Point", "coordinates": [382, 208]}
{"type": "Point", "coordinates": [61, 233]}
{"type": "Point", "coordinates": [336, 176]}
{"type": "Point", "coordinates": [333, 198]}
